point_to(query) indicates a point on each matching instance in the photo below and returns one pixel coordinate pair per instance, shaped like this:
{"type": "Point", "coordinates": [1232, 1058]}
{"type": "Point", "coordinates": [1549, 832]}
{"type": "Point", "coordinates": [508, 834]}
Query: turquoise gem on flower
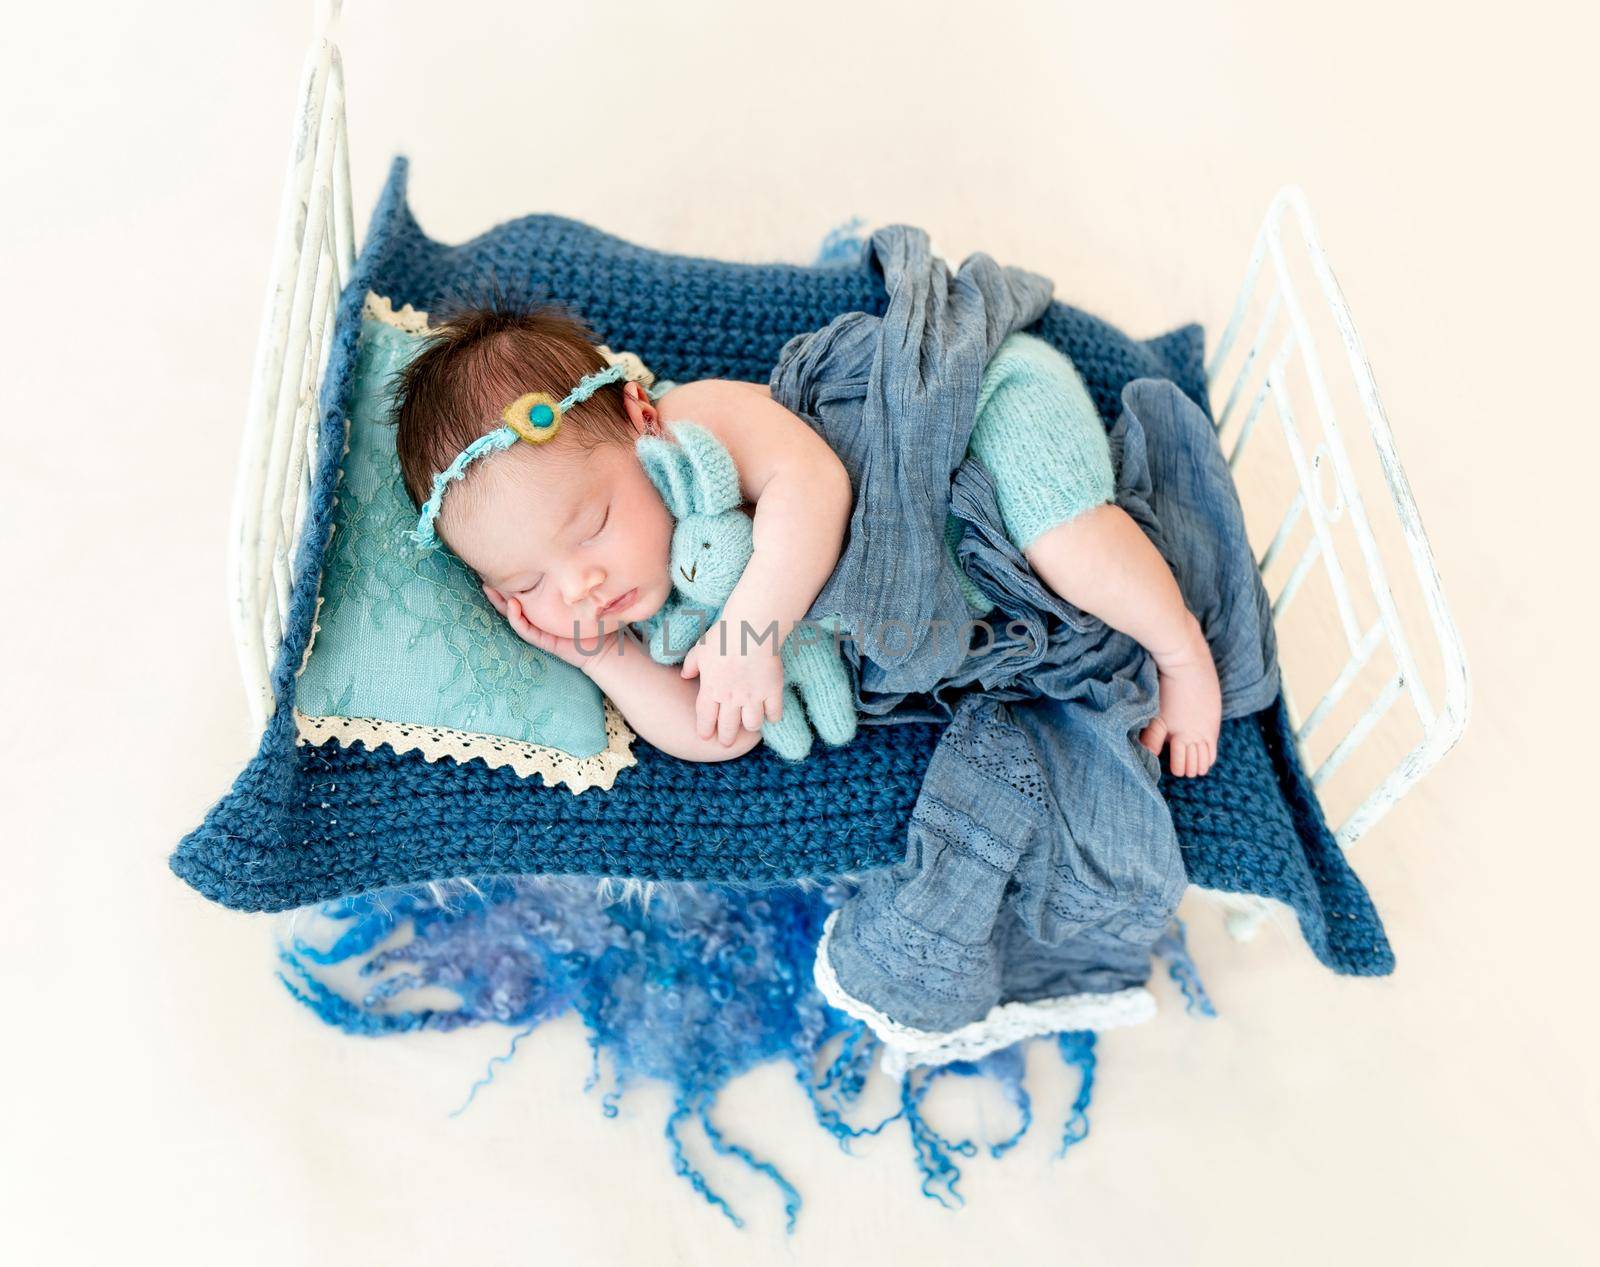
{"type": "Point", "coordinates": [541, 415]}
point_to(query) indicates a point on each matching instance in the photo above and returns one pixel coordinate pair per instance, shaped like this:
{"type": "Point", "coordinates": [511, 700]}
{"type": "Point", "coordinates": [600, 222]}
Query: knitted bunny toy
{"type": "Point", "coordinates": [711, 546]}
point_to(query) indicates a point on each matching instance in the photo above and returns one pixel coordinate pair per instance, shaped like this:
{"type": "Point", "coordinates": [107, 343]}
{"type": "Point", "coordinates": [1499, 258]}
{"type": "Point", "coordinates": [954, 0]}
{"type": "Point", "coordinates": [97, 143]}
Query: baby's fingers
{"type": "Point", "coordinates": [728, 720]}
{"type": "Point", "coordinates": [497, 600]}
{"type": "Point", "coordinates": [751, 715]}
{"type": "Point", "coordinates": [705, 715]}
{"type": "Point", "coordinates": [774, 709]}
{"type": "Point", "coordinates": [526, 631]}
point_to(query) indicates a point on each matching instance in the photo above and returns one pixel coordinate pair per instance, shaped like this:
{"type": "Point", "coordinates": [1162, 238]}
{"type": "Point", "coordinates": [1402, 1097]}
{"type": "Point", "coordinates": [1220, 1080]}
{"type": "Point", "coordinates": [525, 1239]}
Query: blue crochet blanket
{"type": "Point", "coordinates": [306, 824]}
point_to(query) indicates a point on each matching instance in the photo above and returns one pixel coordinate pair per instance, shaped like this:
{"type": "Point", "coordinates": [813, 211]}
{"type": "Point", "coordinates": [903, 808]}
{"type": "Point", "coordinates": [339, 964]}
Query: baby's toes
{"type": "Point", "coordinates": [1154, 735]}
{"type": "Point", "coordinates": [1185, 758]}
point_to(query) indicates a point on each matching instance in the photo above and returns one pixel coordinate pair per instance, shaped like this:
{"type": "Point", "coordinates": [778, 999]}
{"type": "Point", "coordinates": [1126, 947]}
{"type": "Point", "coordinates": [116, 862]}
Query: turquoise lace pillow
{"type": "Point", "coordinates": [407, 651]}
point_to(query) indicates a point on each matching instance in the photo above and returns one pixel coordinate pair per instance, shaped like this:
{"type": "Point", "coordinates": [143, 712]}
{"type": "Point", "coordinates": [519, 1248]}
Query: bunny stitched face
{"type": "Point", "coordinates": [699, 483]}
{"type": "Point", "coordinates": [709, 553]}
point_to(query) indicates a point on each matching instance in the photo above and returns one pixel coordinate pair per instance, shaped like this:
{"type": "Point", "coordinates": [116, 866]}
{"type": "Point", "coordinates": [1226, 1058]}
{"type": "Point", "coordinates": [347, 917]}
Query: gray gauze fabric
{"type": "Point", "coordinates": [1041, 857]}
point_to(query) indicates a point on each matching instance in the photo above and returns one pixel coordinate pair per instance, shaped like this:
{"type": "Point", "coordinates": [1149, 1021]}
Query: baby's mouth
{"type": "Point", "coordinates": [617, 603]}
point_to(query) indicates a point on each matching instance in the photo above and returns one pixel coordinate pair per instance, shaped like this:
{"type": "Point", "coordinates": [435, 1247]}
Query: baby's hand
{"type": "Point", "coordinates": [562, 648]}
{"type": "Point", "coordinates": [1190, 709]}
{"type": "Point", "coordinates": [736, 689]}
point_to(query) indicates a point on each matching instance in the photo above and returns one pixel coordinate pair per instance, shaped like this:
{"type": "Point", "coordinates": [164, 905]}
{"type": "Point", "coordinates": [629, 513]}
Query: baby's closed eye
{"type": "Point", "coordinates": [605, 518]}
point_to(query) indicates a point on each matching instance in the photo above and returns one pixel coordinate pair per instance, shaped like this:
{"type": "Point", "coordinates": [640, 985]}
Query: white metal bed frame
{"type": "Point", "coordinates": [311, 262]}
{"type": "Point", "coordinates": [313, 258]}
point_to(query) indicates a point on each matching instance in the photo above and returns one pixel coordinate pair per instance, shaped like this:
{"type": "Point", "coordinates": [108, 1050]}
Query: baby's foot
{"type": "Point", "coordinates": [1191, 708]}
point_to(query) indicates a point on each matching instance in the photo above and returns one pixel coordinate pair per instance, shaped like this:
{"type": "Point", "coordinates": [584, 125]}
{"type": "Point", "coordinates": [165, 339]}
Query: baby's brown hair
{"type": "Point", "coordinates": [480, 359]}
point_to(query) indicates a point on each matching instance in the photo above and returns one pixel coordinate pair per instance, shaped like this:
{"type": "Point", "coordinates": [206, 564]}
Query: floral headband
{"type": "Point", "coordinates": [534, 417]}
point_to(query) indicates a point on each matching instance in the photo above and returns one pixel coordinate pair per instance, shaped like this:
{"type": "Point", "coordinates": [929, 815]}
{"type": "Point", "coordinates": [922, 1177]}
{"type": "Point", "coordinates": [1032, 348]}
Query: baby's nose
{"type": "Point", "coordinates": [582, 587]}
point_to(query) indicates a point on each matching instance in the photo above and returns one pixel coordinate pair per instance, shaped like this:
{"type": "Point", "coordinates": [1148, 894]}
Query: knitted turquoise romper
{"type": "Point", "coordinates": [1039, 435]}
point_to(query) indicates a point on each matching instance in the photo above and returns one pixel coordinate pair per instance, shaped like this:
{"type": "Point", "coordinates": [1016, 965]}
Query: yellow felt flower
{"type": "Point", "coordinates": [536, 417]}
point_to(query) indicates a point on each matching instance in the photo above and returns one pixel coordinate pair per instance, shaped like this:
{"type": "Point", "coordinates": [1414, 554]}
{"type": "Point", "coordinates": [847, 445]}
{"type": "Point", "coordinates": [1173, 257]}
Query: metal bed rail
{"type": "Point", "coordinates": [1281, 352]}
{"type": "Point", "coordinates": [313, 257]}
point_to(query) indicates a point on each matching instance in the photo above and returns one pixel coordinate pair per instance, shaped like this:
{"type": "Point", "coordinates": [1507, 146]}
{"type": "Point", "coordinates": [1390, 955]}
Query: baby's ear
{"type": "Point", "coordinates": [669, 470]}
{"type": "Point", "coordinates": [642, 412]}
{"type": "Point", "coordinates": [716, 479]}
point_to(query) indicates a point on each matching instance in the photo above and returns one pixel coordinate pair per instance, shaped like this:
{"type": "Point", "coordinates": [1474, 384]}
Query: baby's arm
{"type": "Point", "coordinates": [802, 499]}
{"type": "Point", "coordinates": [1102, 562]}
{"type": "Point", "coordinates": [654, 698]}
{"type": "Point", "coordinates": [659, 702]}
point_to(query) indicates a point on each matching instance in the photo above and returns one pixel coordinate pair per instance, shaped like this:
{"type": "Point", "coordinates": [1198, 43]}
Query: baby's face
{"type": "Point", "coordinates": [581, 540]}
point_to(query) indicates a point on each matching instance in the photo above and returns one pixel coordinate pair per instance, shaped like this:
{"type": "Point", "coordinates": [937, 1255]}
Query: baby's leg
{"type": "Point", "coordinates": [1038, 433]}
{"type": "Point", "coordinates": [1103, 563]}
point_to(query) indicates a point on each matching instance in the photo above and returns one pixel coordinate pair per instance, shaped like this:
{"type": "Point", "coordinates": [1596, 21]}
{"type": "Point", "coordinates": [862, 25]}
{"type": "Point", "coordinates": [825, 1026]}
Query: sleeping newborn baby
{"type": "Point", "coordinates": [570, 539]}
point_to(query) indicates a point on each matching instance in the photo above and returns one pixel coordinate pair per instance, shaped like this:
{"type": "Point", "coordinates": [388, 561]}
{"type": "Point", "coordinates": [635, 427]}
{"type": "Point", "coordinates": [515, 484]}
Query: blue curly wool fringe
{"type": "Point", "coordinates": [688, 984]}
{"type": "Point", "coordinates": [843, 245]}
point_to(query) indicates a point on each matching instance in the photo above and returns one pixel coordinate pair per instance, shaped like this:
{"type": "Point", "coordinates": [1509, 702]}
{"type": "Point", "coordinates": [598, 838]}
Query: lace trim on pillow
{"type": "Point", "coordinates": [527, 759]}
{"type": "Point", "coordinates": [632, 366]}
{"type": "Point", "coordinates": [415, 321]}
{"type": "Point", "coordinates": [1006, 1023]}
{"type": "Point", "coordinates": [433, 742]}
{"type": "Point", "coordinates": [381, 308]}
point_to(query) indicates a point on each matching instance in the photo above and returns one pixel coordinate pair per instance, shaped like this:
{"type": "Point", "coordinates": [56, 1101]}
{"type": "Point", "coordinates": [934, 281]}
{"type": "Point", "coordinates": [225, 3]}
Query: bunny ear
{"type": "Point", "coordinates": [716, 479]}
{"type": "Point", "coordinates": [669, 470]}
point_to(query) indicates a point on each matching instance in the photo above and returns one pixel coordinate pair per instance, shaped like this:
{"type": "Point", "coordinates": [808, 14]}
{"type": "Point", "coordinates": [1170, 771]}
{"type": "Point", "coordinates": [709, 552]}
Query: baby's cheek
{"type": "Point", "coordinates": [654, 604]}
{"type": "Point", "coordinates": [537, 613]}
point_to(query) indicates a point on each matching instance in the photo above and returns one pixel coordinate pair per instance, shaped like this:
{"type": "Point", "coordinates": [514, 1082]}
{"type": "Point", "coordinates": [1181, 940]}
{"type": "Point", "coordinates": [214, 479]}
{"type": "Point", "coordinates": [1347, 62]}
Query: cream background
{"type": "Point", "coordinates": [162, 1097]}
